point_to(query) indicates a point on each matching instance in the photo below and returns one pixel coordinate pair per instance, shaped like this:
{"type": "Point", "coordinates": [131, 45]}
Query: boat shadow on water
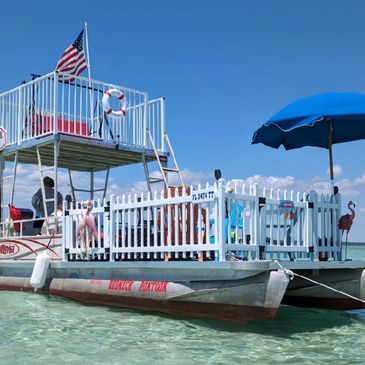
{"type": "Point", "coordinates": [288, 321]}
{"type": "Point", "coordinates": [292, 320]}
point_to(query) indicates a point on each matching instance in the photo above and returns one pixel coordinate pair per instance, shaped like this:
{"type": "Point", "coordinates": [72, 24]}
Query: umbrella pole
{"type": "Point", "coordinates": [330, 142]}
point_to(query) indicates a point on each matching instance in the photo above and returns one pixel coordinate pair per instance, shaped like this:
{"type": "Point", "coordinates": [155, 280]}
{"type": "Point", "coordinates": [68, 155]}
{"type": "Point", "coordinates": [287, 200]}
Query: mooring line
{"type": "Point", "coordinates": [291, 275]}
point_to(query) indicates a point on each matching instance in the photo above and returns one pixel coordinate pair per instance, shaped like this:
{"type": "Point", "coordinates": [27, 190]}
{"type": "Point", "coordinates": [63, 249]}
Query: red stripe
{"type": "Point", "coordinates": [72, 66]}
{"type": "Point", "coordinates": [123, 111]}
{"type": "Point", "coordinates": [67, 55]}
{"type": "Point", "coordinates": [64, 61]}
{"type": "Point", "coordinates": [41, 244]}
{"type": "Point", "coordinates": [121, 97]}
{"type": "Point", "coordinates": [75, 70]}
{"type": "Point", "coordinates": [109, 111]}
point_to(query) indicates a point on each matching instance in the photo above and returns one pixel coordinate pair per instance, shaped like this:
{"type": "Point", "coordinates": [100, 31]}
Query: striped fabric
{"type": "Point", "coordinates": [73, 60]}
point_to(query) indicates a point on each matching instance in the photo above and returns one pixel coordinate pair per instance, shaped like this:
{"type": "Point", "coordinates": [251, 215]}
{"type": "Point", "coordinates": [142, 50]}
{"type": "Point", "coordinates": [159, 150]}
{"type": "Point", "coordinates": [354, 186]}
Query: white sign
{"type": "Point", "coordinates": [3, 139]}
{"type": "Point", "coordinates": [203, 195]}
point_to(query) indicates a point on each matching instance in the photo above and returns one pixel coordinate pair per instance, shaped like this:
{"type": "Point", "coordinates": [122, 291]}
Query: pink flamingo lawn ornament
{"type": "Point", "coordinates": [346, 220]}
{"type": "Point", "coordinates": [87, 227]}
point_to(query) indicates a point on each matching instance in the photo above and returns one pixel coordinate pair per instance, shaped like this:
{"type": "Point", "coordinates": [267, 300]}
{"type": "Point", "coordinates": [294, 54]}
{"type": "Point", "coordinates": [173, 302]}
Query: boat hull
{"type": "Point", "coordinates": [247, 293]}
{"type": "Point", "coordinates": [347, 277]}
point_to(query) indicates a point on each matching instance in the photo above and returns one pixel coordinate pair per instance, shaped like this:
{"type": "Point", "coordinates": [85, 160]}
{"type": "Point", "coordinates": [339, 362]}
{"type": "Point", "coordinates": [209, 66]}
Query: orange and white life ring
{"type": "Point", "coordinates": [106, 103]}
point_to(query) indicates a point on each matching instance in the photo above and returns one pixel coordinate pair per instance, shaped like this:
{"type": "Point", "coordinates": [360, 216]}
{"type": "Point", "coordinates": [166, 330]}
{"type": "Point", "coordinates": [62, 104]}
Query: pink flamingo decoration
{"type": "Point", "coordinates": [87, 226]}
{"type": "Point", "coordinates": [346, 220]}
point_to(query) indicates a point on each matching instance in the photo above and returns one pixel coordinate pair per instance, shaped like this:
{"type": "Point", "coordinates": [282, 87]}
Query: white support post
{"type": "Point", "coordinates": [216, 220]}
{"type": "Point", "coordinates": [65, 230]}
{"type": "Point", "coordinates": [262, 223]}
{"type": "Point", "coordinates": [55, 164]}
{"type": "Point", "coordinates": [312, 226]}
{"type": "Point", "coordinates": [145, 121]}
{"type": "Point", "coordinates": [111, 240]}
{"type": "Point", "coordinates": [106, 223]}
{"type": "Point", "coordinates": [221, 216]}
{"type": "Point", "coordinates": [163, 124]}
{"type": "Point", "coordinates": [256, 221]}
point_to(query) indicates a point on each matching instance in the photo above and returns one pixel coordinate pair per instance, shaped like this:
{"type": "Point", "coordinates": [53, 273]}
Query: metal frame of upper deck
{"type": "Point", "coordinates": [57, 120]}
{"type": "Point", "coordinates": [59, 107]}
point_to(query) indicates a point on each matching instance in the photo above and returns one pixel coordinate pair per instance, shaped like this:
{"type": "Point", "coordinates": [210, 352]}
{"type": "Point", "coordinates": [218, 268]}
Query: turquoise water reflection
{"type": "Point", "coordinates": [40, 329]}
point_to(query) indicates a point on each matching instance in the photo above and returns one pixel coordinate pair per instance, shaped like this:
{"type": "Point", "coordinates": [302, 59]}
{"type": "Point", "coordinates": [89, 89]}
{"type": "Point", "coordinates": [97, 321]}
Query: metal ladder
{"type": "Point", "coordinates": [12, 178]}
{"type": "Point", "coordinates": [42, 171]}
{"type": "Point", "coordinates": [162, 164]}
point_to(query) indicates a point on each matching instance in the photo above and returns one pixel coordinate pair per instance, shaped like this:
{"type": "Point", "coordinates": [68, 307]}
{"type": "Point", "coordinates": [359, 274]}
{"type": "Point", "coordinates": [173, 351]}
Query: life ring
{"type": "Point", "coordinates": [106, 103]}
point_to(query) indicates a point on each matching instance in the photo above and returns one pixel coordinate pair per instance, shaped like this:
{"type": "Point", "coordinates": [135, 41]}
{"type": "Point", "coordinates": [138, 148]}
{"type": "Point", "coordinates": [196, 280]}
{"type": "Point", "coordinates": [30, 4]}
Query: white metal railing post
{"type": "Point", "coordinates": [221, 215]}
{"type": "Point", "coordinates": [312, 229]}
{"type": "Point", "coordinates": [145, 121]}
{"type": "Point", "coordinates": [20, 113]}
{"type": "Point", "coordinates": [112, 229]}
{"type": "Point", "coordinates": [106, 227]}
{"type": "Point", "coordinates": [262, 223]}
{"type": "Point", "coordinates": [55, 102]}
{"type": "Point", "coordinates": [308, 227]}
{"type": "Point", "coordinates": [163, 123]}
{"type": "Point", "coordinates": [64, 230]}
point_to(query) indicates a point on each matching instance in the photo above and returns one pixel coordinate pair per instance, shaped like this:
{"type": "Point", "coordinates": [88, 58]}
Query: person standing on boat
{"type": "Point", "coordinates": [37, 200]}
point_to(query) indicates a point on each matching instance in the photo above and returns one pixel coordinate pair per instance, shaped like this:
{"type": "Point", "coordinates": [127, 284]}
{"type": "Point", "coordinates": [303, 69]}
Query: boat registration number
{"type": "Point", "coordinates": [200, 196]}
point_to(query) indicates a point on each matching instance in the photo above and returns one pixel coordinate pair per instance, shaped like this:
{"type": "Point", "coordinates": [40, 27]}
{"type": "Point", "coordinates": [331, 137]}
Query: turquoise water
{"type": "Point", "coordinates": [40, 329]}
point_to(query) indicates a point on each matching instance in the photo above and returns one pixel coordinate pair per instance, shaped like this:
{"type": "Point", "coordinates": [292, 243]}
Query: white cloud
{"type": "Point", "coordinates": [348, 188]}
{"type": "Point", "coordinates": [28, 182]}
{"type": "Point", "coordinates": [337, 170]}
{"type": "Point", "coordinates": [189, 178]}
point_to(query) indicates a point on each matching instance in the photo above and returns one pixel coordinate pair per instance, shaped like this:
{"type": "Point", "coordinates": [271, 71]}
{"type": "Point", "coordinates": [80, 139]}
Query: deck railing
{"type": "Point", "coordinates": [59, 103]}
{"type": "Point", "coordinates": [211, 223]}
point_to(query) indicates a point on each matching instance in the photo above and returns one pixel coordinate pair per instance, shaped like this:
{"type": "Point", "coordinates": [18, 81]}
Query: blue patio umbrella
{"type": "Point", "coordinates": [319, 121]}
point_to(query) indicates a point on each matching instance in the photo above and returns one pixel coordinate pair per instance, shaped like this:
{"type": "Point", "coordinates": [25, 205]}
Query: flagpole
{"type": "Point", "coordinates": [87, 50]}
{"type": "Point", "coordinates": [91, 96]}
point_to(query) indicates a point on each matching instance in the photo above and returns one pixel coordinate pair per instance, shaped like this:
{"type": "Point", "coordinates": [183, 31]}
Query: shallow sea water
{"type": "Point", "coordinates": [42, 329]}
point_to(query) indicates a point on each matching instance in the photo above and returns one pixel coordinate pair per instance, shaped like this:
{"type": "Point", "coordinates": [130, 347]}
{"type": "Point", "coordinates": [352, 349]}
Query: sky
{"type": "Point", "coordinates": [224, 67]}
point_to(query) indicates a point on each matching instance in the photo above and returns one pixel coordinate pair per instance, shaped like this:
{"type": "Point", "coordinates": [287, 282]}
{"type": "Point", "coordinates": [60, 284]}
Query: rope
{"type": "Point", "coordinates": [290, 274]}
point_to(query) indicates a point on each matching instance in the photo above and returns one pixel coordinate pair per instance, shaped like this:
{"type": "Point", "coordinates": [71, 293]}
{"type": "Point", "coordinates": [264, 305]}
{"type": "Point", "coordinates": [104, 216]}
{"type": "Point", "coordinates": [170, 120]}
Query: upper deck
{"type": "Point", "coordinates": [56, 107]}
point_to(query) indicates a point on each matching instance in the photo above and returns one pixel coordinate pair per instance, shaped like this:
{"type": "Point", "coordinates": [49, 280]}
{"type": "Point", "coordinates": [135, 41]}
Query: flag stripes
{"type": "Point", "coordinates": [73, 60]}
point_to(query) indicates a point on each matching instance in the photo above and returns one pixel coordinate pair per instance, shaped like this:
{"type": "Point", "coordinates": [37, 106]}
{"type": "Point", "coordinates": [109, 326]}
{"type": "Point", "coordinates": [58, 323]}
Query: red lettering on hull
{"type": "Point", "coordinates": [153, 286]}
{"type": "Point", "coordinates": [8, 249]}
{"type": "Point", "coordinates": [95, 282]}
{"type": "Point", "coordinates": [120, 285]}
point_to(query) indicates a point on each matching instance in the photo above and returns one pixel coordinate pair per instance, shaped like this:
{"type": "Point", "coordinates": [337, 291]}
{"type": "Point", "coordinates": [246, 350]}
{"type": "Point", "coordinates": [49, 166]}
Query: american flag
{"type": "Point", "coordinates": [73, 60]}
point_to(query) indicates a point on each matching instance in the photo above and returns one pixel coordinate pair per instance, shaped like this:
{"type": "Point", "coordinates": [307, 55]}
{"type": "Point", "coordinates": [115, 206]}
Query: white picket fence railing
{"type": "Point", "coordinates": [210, 223]}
